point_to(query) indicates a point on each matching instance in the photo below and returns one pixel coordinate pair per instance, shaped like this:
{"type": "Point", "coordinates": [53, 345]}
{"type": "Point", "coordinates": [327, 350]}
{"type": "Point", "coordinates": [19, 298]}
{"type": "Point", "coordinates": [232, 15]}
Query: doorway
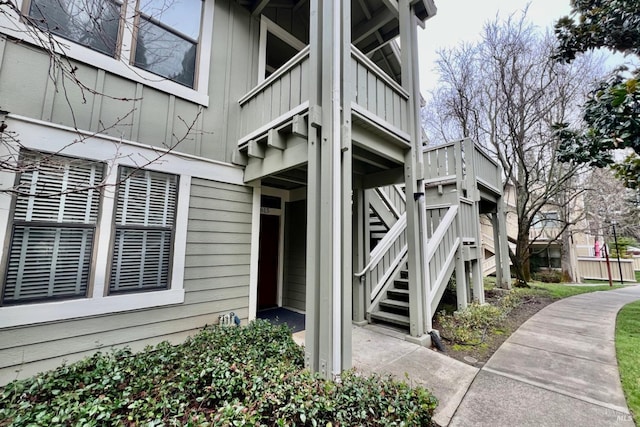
{"type": "Point", "coordinates": [268, 262]}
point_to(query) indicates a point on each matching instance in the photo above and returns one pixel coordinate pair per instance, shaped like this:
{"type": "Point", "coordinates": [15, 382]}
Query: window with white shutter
{"type": "Point", "coordinates": [144, 225]}
{"type": "Point", "coordinates": [53, 229]}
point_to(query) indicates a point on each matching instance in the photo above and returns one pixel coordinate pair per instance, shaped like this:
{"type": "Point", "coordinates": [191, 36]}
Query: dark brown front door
{"type": "Point", "coordinates": [268, 261]}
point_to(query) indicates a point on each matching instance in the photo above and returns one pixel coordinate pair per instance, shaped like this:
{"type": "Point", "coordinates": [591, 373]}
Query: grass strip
{"type": "Point", "coordinates": [627, 345]}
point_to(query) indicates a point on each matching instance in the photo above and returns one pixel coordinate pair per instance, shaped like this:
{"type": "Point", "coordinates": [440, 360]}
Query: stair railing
{"type": "Point", "coordinates": [384, 260]}
{"type": "Point", "coordinates": [440, 257]}
{"type": "Point", "coordinates": [489, 265]}
{"type": "Point", "coordinates": [394, 198]}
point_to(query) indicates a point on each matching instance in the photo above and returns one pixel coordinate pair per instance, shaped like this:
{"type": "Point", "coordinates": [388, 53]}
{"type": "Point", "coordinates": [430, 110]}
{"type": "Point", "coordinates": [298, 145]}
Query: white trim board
{"type": "Point", "coordinates": [46, 136]}
{"type": "Point", "coordinates": [26, 314]}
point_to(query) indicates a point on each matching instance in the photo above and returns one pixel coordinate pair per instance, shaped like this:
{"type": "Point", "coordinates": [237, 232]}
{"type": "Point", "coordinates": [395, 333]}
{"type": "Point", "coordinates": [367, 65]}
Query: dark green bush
{"type": "Point", "coordinates": [220, 377]}
{"type": "Point", "coordinates": [548, 276]}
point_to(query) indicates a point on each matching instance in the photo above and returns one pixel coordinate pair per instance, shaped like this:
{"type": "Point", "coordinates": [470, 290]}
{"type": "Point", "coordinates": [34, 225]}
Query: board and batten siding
{"type": "Point", "coordinates": [134, 110]}
{"type": "Point", "coordinates": [295, 248]}
{"type": "Point", "coordinates": [216, 281]}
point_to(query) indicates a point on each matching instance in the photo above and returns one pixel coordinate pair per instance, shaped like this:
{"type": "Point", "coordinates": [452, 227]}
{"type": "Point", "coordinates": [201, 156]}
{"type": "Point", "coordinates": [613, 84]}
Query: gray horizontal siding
{"type": "Point", "coordinates": [216, 280]}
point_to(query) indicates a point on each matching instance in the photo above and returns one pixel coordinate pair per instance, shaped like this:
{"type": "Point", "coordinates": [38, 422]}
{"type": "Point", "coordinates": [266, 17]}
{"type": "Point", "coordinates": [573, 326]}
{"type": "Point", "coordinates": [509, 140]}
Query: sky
{"type": "Point", "coordinates": [462, 21]}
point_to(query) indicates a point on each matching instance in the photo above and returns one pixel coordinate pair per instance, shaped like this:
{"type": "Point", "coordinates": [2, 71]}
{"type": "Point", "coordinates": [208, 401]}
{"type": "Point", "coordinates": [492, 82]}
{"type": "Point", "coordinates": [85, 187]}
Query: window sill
{"type": "Point", "coordinates": [27, 314]}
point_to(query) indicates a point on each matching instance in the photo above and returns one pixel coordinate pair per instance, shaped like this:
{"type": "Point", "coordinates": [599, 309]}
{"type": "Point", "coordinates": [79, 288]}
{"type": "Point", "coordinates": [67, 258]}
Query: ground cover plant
{"type": "Point", "coordinates": [246, 376]}
{"type": "Point", "coordinates": [627, 344]}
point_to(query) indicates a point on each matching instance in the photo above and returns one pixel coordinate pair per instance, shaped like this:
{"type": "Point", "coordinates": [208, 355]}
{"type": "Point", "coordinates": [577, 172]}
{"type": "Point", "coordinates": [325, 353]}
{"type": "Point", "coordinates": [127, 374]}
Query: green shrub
{"type": "Point", "coordinates": [547, 276]}
{"type": "Point", "coordinates": [220, 377]}
{"type": "Point", "coordinates": [470, 326]}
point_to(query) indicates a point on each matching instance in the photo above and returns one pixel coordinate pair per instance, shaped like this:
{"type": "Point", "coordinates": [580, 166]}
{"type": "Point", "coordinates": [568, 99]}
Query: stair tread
{"type": "Point", "coordinates": [391, 317]}
{"type": "Point", "coordinates": [395, 303]}
{"type": "Point", "coordinates": [400, 291]}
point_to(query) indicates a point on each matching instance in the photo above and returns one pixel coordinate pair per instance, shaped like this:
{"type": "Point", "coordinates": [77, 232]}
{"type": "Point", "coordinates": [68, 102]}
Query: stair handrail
{"type": "Point", "coordinates": [385, 244]}
{"type": "Point", "coordinates": [384, 262]}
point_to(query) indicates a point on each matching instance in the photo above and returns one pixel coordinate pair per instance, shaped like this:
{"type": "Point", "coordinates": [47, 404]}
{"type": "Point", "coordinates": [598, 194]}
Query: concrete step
{"type": "Point", "coordinates": [396, 319]}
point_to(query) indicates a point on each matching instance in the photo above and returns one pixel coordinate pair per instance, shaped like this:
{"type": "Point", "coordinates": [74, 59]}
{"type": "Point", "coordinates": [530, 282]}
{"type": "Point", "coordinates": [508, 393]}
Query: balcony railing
{"type": "Point", "coordinates": [462, 161]}
{"type": "Point", "coordinates": [377, 98]}
{"type": "Point", "coordinates": [487, 170]}
{"type": "Point", "coordinates": [281, 96]}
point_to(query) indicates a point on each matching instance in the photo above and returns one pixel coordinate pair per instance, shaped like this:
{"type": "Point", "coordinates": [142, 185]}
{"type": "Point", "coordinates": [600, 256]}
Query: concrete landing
{"type": "Point", "coordinates": [385, 351]}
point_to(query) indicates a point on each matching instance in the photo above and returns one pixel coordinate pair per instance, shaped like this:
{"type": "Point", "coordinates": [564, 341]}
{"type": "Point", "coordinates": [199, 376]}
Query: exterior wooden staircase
{"type": "Point", "coordinates": [452, 230]}
{"type": "Point", "coordinates": [394, 307]}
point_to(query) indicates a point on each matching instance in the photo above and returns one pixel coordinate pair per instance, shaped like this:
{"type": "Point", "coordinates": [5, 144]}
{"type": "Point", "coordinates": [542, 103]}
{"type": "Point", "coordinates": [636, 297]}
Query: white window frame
{"type": "Point", "coordinates": [10, 25]}
{"type": "Point", "coordinates": [122, 191]}
{"type": "Point", "coordinates": [28, 205]}
{"type": "Point", "coordinates": [36, 134]}
{"type": "Point", "coordinates": [268, 26]}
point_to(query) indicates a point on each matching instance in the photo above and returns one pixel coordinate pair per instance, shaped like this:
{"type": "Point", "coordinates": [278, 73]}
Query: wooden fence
{"type": "Point", "coordinates": [596, 268]}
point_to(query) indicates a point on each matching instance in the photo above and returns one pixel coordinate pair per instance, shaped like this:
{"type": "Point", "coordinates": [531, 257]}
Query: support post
{"type": "Point", "coordinates": [328, 305]}
{"type": "Point", "coordinates": [462, 294]}
{"type": "Point", "coordinates": [476, 277]}
{"type": "Point", "coordinates": [497, 250]}
{"type": "Point", "coordinates": [413, 175]}
{"type": "Point", "coordinates": [501, 245]}
{"type": "Point", "coordinates": [344, 156]}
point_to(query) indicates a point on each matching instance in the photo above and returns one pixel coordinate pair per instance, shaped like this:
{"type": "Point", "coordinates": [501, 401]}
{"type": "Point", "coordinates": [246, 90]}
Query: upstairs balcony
{"type": "Point", "coordinates": [465, 167]}
{"type": "Point", "coordinates": [274, 119]}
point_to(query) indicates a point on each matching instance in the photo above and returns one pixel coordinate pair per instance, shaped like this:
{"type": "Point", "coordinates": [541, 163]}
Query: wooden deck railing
{"type": "Point", "coordinates": [486, 169]}
{"type": "Point", "coordinates": [376, 97]}
{"type": "Point", "coordinates": [377, 93]}
{"type": "Point", "coordinates": [468, 220]}
{"type": "Point", "coordinates": [440, 256]}
{"type": "Point", "coordinates": [462, 161]}
{"type": "Point", "coordinates": [443, 163]}
{"type": "Point", "coordinates": [282, 95]}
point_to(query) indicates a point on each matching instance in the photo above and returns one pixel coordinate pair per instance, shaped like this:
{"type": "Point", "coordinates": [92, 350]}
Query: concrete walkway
{"type": "Point", "coordinates": [558, 369]}
{"type": "Point", "coordinates": [385, 351]}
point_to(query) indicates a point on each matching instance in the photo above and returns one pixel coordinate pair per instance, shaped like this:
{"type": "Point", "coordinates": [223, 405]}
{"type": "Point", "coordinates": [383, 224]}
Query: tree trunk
{"type": "Point", "coordinates": [568, 260]}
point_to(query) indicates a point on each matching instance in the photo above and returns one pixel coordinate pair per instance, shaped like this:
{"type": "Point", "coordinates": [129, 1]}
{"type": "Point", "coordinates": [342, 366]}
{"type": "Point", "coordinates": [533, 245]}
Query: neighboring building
{"type": "Point", "coordinates": [217, 156]}
{"type": "Point", "coordinates": [551, 241]}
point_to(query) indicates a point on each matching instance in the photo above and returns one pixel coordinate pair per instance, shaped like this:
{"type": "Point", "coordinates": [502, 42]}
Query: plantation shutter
{"type": "Point", "coordinates": [53, 229]}
{"type": "Point", "coordinates": [145, 214]}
